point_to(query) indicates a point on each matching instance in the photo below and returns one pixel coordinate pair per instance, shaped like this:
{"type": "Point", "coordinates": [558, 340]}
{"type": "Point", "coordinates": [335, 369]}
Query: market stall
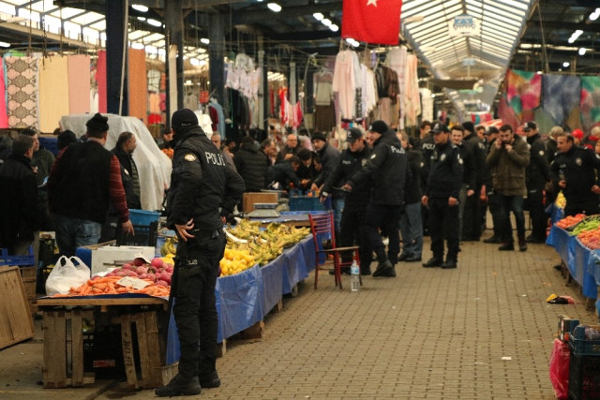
{"type": "Point", "coordinates": [243, 300]}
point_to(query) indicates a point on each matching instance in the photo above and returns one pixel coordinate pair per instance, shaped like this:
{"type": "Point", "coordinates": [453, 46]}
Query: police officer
{"type": "Point", "coordinates": [426, 147]}
{"type": "Point", "coordinates": [356, 201]}
{"type": "Point", "coordinates": [536, 176]}
{"type": "Point", "coordinates": [443, 187]}
{"type": "Point", "coordinates": [203, 190]}
{"type": "Point", "coordinates": [387, 168]}
{"type": "Point", "coordinates": [574, 170]}
{"type": "Point", "coordinates": [472, 212]}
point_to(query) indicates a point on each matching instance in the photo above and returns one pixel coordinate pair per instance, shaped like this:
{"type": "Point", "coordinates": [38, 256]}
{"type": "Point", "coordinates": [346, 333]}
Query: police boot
{"type": "Point", "coordinates": [522, 243]}
{"type": "Point", "coordinates": [210, 381]}
{"type": "Point", "coordinates": [179, 386]}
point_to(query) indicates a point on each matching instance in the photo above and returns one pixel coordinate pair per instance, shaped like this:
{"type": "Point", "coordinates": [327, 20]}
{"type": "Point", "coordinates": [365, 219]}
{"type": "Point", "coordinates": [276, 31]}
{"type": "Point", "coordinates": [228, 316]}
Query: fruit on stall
{"type": "Point", "coordinates": [235, 261]}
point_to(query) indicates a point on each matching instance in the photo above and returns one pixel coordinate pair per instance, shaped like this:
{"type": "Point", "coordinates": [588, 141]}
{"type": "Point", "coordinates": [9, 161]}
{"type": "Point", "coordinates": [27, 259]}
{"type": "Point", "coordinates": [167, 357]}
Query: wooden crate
{"type": "Point", "coordinates": [63, 349]}
{"type": "Point", "coordinates": [16, 323]}
{"type": "Point", "coordinates": [29, 275]}
{"type": "Point", "coordinates": [258, 197]}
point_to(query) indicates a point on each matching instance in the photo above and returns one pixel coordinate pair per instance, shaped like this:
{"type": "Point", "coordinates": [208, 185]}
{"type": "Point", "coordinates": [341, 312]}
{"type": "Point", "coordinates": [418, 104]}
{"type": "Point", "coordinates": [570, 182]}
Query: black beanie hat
{"type": "Point", "coordinates": [468, 125]}
{"type": "Point", "coordinates": [183, 119]}
{"type": "Point", "coordinates": [379, 126]}
{"type": "Point", "coordinates": [318, 136]}
{"type": "Point", "coordinates": [97, 125]}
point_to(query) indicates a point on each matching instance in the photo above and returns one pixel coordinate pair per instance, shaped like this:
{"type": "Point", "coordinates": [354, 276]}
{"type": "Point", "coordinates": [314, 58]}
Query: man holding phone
{"type": "Point", "coordinates": [508, 159]}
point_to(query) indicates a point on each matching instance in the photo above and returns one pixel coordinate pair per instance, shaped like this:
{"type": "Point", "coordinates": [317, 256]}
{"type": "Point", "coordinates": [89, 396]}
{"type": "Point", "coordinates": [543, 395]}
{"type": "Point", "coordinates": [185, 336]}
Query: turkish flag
{"type": "Point", "coordinates": [372, 21]}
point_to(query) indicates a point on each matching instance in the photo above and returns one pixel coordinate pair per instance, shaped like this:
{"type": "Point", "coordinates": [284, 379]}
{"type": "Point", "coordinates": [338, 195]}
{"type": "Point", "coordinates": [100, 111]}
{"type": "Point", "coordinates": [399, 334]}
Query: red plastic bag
{"type": "Point", "coordinates": [559, 369]}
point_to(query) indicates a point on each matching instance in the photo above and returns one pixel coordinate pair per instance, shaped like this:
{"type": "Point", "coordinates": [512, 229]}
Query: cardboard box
{"type": "Point", "coordinates": [102, 258]}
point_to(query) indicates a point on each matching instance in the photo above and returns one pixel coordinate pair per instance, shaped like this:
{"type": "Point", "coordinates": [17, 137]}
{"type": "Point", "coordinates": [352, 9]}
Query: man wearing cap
{"type": "Point", "coordinates": [355, 202]}
{"type": "Point", "coordinates": [329, 157]}
{"type": "Point", "coordinates": [387, 169]}
{"type": "Point", "coordinates": [84, 180]}
{"type": "Point", "coordinates": [537, 175]}
{"type": "Point", "coordinates": [508, 160]}
{"type": "Point", "coordinates": [203, 191]}
{"type": "Point", "coordinates": [443, 188]}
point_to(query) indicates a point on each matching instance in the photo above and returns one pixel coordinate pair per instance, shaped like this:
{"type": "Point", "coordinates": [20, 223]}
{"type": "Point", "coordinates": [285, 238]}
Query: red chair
{"type": "Point", "coordinates": [322, 227]}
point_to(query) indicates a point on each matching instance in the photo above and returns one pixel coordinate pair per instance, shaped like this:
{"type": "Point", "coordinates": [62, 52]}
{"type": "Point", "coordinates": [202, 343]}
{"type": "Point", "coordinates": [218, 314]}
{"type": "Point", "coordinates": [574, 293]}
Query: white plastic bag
{"type": "Point", "coordinates": [67, 273]}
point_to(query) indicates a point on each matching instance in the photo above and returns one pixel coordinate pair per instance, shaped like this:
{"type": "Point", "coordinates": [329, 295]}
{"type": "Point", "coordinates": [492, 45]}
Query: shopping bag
{"type": "Point", "coordinates": [559, 369]}
{"type": "Point", "coordinates": [67, 273]}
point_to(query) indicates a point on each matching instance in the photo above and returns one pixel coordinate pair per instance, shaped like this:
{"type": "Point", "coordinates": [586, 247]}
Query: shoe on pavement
{"type": "Point", "coordinates": [492, 239]}
{"type": "Point", "coordinates": [210, 381]}
{"type": "Point", "coordinates": [522, 246]}
{"type": "Point", "coordinates": [534, 239]}
{"type": "Point", "coordinates": [365, 271]}
{"type": "Point", "coordinates": [382, 269]}
{"type": "Point", "coordinates": [404, 256]}
{"type": "Point", "coordinates": [413, 258]}
{"type": "Point", "coordinates": [179, 386]}
{"type": "Point", "coordinates": [433, 262]}
{"type": "Point", "coordinates": [507, 247]}
{"type": "Point", "coordinates": [449, 264]}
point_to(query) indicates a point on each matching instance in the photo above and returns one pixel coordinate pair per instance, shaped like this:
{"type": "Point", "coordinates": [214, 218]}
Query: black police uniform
{"type": "Point", "coordinates": [472, 214]}
{"type": "Point", "coordinates": [355, 204]}
{"type": "Point", "coordinates": [445, 178]}
{"type": "Point", "coordinates": [387, 167]}
{"type": "Point", "coordinates": [203, 188]}
{"type": "Point", "coordinates": [579, 167]}
{"type": "Point", "coordinates": [536, 176]}
{"type": "Point", "coordinates": [426, 148]}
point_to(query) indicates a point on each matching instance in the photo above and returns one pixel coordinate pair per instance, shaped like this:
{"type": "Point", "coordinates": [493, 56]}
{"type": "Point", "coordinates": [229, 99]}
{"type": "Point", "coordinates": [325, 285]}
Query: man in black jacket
{"type": "Point", "coordinates": [443, 187]}
{"type": "Point", "coordinates": [251, 164]}
{"type": "Point", "coordinates": [282, 174]}
{"type": "Point", "coordinates": [84, 180]}
{"type": "Point", "coordinates": [471, 228]}
{"type": "Point", "coordinates": [387, 168]}
{"type": "Point", "coordinates": [203, 191]}
{"type": "Point", "coordinates": [355, 202]}
{"type": "Point", "coordinates": [537, 175]}
{"type": "Point", "coordinates": [575, 170]}
{"type": "Point", "coordinates": [21, 214]}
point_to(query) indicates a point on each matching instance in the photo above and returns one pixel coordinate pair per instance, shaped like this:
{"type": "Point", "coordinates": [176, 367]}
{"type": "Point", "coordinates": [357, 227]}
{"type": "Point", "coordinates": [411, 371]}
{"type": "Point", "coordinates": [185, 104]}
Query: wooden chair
{"type": "Point", "coordinates": [322, 227]}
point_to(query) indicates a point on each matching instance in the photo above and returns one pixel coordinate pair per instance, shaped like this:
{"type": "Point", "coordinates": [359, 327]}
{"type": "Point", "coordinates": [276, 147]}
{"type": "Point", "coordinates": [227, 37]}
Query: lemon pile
{"type": "Point", "coordinates": [235, 261]}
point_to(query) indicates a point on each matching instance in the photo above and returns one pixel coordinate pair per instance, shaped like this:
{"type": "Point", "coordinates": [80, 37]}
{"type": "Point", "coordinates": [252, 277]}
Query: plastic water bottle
{"type": "Point", "coordinates": [354, 277]}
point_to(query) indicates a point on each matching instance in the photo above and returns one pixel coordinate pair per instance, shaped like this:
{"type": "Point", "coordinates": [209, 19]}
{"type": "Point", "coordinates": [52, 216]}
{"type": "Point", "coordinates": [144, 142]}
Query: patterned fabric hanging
{"type": "Point", "coordinates": [22, 75]}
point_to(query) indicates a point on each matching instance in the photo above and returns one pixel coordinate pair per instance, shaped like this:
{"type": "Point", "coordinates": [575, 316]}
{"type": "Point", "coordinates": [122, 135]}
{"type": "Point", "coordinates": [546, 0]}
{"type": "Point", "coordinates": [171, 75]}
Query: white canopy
{"type": "Point", "coordinates": [154, 167]}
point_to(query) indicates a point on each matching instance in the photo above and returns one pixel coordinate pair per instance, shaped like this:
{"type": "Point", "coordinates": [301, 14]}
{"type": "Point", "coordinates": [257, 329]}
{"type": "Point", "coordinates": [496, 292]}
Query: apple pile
{"type": "Point", "coordinates": [157, 271]}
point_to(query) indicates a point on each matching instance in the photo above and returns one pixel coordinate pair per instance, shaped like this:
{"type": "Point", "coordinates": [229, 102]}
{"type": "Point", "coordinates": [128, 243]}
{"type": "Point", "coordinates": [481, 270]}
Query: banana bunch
{"type": "Point", "coordinates": [170, 246]}
{"type": "Point", "coordinates": [246, 229]}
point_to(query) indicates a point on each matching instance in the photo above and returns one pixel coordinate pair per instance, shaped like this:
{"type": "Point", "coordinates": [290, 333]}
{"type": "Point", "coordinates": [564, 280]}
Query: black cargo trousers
{"type": "Point", "coordinates": [197, 269]}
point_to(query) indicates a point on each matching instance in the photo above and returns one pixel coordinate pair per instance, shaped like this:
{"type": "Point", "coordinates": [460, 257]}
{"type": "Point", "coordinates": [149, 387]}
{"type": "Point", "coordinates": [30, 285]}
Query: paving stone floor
{"type": "Point", "coordinates": [426, 334]}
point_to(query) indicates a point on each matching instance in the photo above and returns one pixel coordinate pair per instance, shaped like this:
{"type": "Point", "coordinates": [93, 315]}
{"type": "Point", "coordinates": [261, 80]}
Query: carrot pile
{"type": "Point", "coordinates": [108, 285]}
{"type": "Point", "coordinates": [570, 220]}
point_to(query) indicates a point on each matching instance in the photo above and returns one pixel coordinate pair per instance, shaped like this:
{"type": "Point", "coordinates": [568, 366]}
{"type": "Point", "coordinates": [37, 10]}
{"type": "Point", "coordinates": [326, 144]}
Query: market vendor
{"type": "Point", "coordinates": [203, 191]}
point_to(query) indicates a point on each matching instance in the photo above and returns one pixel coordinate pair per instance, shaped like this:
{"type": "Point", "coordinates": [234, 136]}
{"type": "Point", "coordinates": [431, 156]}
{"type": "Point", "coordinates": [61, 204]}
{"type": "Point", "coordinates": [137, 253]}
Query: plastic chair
{"type": "Point", "coordinates": [322, 227]}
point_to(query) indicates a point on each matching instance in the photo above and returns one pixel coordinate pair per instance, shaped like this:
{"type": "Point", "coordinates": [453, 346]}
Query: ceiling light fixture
{"type": "Point", "coordinates": [154, 22]}
{"type": "Point", "coordinates": [205, 40]}
{"type": "Point", "coordinates": [582, 51]}
{"type": "Point", "coordinates": [138, 46]}
{"type": "Point", "coordinates": [318, 16]}
{"type": "Point", "coordinates": [566, 64]}
{"type": "Point", "coordinates": [594, 16]}
{"type": "Point", "coordinates": [141, 18]}
{"type": "Point", "coordinates": [575, 35]}
{"type": "Point", "coordinates": [4, 44]}
{"type": "Point", "coordinates": [326, 22]}
{"type": "Point", "coordinates": [336, 28]}
{"type": "Point", "coordinates": [139, 7]}
{"type": "Point", "coordinates": [274, 7]}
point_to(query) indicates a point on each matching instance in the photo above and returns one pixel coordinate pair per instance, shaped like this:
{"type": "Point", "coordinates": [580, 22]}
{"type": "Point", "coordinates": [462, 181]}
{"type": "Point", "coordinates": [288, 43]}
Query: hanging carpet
{"type": "Point", "coordinates": [22, 87]}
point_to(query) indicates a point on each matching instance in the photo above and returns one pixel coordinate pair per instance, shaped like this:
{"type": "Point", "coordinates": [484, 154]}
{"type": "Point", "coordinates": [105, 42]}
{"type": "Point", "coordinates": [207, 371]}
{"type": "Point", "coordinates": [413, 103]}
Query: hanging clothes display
{"type": "Point", "coordinates": [324, 106]}
{"type": "Point", "coordinates": [346, 81]}
{"type": "Point", "coordinates": [523, 92]}
{"type": "Point", "coordinates": [101, 81]}
{"type": "Point", "coordinates": [369, 91]}
{"type": "Point", "coordinates": [590, 103]}
{"type": "Point", "coordinates": [426, 105]}
{"type": "Point", "coordinates": [412, 100]}
{"type": "Point", "coordinates": [53, 92]}
{"type": "Point", "coordinates": [154, 80]}
{"type": "Point", "coordinates": [216, 108]}
{"type": "Point", "coordinates": [561, 94]}
{"type": "Point", "coordinates": [398, 62]}
{"type": "Point", "coordinates": [22, 88]}
{"type": "Point", "coordinates": [191, 101]}
{"type": "Point", "coordinates": [79, 83]}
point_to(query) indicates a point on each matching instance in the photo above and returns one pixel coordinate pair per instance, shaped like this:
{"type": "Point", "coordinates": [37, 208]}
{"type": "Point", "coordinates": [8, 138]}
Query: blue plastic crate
{"type": "Point", "coordinates": [9, 259]}
{"type": "Point", "coordinates": [144, 235]}
{"type": "Point", "coordinates": [50, 143]}
{"type": "Point", "coordinates": [308, 203]}
{"type": "Point", "coordinates": [143, 217]}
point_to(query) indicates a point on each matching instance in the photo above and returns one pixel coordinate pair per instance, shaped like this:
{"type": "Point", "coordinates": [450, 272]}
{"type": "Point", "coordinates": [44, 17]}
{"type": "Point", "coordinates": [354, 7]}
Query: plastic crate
{"type": "Point", "coordinates": [584, 377]}
{"type": "Point", "coordinates": [8, 259]}
{"type": "Point", "coordinates": [143, 217]}
{"type": "Point", "coordinates": [49, 143]}
{"type": "Point", "coordinates": [582, 346]}
{"type": "Point", "coordinates": [309, 203]}
{"type": "Point", "coordinates": [144, 235]}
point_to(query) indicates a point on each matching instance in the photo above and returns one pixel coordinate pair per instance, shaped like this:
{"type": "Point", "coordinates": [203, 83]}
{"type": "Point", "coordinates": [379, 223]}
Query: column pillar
{"type": "Point", "coordinates": [116, 58]}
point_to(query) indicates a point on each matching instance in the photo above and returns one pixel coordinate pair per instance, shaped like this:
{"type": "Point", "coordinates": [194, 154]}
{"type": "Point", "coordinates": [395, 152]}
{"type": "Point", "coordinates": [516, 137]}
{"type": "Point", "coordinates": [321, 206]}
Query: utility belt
{"type": "Point", "coordinates": [204, 234]}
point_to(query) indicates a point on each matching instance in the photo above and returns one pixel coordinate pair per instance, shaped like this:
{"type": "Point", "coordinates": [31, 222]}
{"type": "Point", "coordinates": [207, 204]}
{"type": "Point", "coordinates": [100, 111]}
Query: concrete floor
{"type": "Point", "coordinates": [426, 334]}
